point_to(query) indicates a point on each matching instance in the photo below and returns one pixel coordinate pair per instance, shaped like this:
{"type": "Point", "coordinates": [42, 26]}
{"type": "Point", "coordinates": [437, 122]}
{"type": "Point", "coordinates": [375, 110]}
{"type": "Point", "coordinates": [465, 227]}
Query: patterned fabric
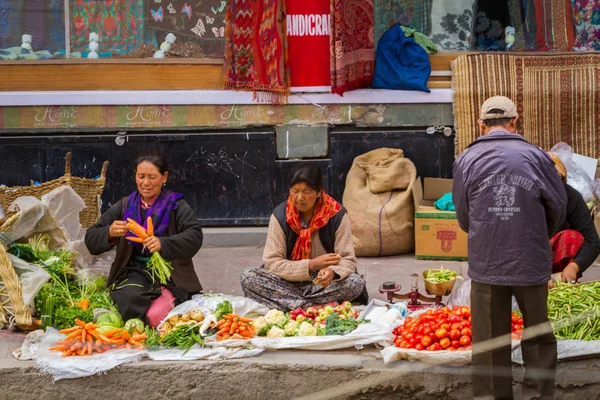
{"type": "Point", "coordinates": [352, 50]}
{"type": "Point", "coordinates": [326, 208]}
{"type": "Point", "coordinates": [275, 292]}
{"type": "Point", "coordinates": [587, 24]}
{"type": "Point", "coordinates": [256, 50]}
{"type": "Point", "coordinates": [160, 210]}
{"type": "Point", "coordinates": [492, 18]}
{"type": "Point", "coordinates": [557, 98]}
{"type": "Point", "coordinates": [410, 13]}
{"type": "Point", "coordinates": [565, 245]}
{"type": "Point", "coordinates": [543, 25]}
{"type": "Point", "coordinates": [119, 23]}
{"type": "Point", "coordinates": [452, 24]}
{"type": "Point", "coordinates": [42, 19]}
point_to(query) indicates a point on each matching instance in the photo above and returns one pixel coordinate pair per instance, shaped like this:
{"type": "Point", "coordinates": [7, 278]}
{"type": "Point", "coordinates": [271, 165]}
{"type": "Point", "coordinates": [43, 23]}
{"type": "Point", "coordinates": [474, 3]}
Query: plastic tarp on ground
{"type": "Point", "coordinates": [60, 367]}
{"type": "Point", "coordinates": [566, 349]}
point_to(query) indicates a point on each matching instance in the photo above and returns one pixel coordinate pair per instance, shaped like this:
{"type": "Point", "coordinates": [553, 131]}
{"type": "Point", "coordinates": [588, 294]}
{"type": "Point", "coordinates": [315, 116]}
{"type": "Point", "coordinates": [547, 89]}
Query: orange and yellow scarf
{"type": "Point", "coordinates": [325, 209]}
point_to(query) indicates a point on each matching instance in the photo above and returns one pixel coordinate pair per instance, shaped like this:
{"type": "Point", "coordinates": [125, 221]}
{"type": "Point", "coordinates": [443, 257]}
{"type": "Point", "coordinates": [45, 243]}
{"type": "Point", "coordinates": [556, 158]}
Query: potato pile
{"type": "Point", "coordinates": [195, 316]}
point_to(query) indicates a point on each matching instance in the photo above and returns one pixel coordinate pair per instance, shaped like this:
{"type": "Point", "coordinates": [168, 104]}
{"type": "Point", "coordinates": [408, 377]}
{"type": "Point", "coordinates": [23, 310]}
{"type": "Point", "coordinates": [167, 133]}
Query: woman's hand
{"type": "Point", "coordinates": [569, 274]}
{"type": "Point", "coordinates": [117, 229]}
{"type": "Point", "coordinates": [325, 277]}
{"type": "Point", "coordinates": [324, 261]}
{"type": "Point", "coordinates": [152, 243]}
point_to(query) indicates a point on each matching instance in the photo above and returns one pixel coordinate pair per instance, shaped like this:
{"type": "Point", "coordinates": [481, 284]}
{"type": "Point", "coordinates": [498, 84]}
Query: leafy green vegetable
{"type": "Point", "coordinates": [441, 275]}
{"type": "Point", "coordinates": [224, 308]}
{"type": "Point", "coordinates": [159, 268]}
{"type": "Point", "coordinates": [64, 317]}
{"type": "Point", "coordinates": [153, 338]}
{"type": "Point", "coordinates": [23, 251]}
{"type": "Point", "coordinates": [335, 326]}
{"type": "Point", "coordinates": [183, 337]}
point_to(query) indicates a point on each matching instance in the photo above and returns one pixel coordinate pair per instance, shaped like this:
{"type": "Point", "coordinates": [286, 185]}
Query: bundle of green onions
{"type": "Point", "coordinates": [440, 276]}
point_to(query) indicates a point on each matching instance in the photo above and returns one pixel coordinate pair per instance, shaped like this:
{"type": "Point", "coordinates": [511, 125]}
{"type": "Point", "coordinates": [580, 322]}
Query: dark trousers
{"type": "Point", "coordinates": [491, 326]}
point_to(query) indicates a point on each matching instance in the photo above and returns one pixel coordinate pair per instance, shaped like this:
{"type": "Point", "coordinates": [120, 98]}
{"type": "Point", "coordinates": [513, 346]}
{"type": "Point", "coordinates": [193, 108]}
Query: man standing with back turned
{"type": "Point", "coordinates": [510, 200]}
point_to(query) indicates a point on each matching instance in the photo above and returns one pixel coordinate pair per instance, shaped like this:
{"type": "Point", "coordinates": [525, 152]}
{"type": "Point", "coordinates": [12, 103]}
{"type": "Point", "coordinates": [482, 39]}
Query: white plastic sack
{"type": "Point", "coordinates": [566, 349]}
{"type": "Point", "coordinates": [35, 218]}
{"type": "Point", "coordinates": [65, 205]}
{"type": "Point", "coordinates": [77, 367]}
{"type": "Point", "coordinates": [32, 278]}
{"type": "Point", "coordinates": [206, 353]}
{"type": "Point", "coordinates": [209, 302]}
{"type": "Point", "coordinates": [576, 176]}
{"type": "Point", "coordinates": [461, 294]}
{"type": "Point", "coordinates": [363, 335]}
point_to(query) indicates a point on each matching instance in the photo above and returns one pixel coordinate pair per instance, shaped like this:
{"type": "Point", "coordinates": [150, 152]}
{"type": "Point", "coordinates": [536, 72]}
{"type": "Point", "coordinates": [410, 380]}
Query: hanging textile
{"type": "Point", "coordinates": [587, 17]}
{"type": "Point", "coordinates": [409, 13]}
{"type": "Point", "coordinates": [492, 19]}
{"type": "Point", "coordinates": [119, 23]}
{"type": "Point", "coordinates": [556, 97]}
{"type": "Point", "coordinates": [352, 49]}
{"type": "Point", "coordinates": [256, 50]}
{"type": "Point", "coordinates": [452, 24]}
{"type": "Point", "coordinates": [42, 19]}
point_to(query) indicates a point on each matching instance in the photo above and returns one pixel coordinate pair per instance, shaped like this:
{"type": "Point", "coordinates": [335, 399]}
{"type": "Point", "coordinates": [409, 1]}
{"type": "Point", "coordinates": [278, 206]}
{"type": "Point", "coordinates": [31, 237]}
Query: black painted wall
{"type": "Point", "coordinates": [229, 178]}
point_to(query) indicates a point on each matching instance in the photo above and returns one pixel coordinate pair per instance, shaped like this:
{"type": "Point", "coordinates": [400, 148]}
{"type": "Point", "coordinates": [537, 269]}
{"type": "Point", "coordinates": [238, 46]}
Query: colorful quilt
{"type": "Point", "coordinates": [587, 25]}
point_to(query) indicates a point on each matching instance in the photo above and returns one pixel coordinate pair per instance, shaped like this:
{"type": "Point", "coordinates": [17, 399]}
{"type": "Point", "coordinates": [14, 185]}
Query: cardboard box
{"type": "Point", "coordinates": [437, 233]}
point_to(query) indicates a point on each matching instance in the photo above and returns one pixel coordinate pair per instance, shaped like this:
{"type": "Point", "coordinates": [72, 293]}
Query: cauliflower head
{"type": "Point", "coordinates": [307, 329]}
{"type": "Point", "coordinates": [291, 327]}
{"type": "Point", "coordinates": [276, 332]}
{"type": "Point", "coordinates": [276, 318]}
{"type": "Point", "coordinates": [259, 323]}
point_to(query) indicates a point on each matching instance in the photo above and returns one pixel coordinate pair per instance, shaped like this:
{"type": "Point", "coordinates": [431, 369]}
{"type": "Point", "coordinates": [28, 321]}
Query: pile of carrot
{"type": "Point", "coordinates": [233, 326]}
{"type": "Point", "coordinates": [83, 340]}
{"type": "Point", "coordinates": [140, 233]}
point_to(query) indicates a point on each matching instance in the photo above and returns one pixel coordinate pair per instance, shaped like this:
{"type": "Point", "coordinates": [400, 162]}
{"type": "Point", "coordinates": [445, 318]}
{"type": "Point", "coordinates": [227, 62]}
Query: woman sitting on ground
{"type": "Point", "coordinates": [177, 236]}
{"type": "Point", "coordinates": [576, 246]}
{"type": "Point", "coordinates": [309, 256]}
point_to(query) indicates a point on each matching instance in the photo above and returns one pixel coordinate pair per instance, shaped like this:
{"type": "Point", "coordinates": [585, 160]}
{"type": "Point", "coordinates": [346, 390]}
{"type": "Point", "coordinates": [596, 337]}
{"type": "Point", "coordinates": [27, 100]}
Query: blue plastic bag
{"type": "Point", "coordinates": [401, 63]}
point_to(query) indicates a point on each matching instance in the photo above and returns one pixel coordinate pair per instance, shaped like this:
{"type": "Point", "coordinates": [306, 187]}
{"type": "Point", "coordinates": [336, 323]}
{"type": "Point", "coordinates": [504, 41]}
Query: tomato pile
{"type": "Point", "coordinates": [439, 329]}
{"type": "Point", "coordinates": [517, 327]}
{"type": "Point", "coordinates": [443, 329]}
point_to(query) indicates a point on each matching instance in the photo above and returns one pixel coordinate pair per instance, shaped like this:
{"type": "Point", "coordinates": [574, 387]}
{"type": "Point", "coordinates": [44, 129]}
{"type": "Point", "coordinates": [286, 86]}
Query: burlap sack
{"type": "Point", "coordinates": [378, 197]}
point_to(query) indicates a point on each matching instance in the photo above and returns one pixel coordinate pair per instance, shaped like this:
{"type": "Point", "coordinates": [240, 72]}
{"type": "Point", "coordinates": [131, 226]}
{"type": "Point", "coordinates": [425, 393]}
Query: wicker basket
{"type": "Point", "coordinates": [438, 289]}
{"type": "Point", "coordinates": [89, 190]}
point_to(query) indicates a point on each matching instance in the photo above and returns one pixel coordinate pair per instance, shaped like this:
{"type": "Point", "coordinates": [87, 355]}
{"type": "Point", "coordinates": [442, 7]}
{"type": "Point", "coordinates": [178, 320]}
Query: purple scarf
{"type": "Point", "coordinates": [160, 210]}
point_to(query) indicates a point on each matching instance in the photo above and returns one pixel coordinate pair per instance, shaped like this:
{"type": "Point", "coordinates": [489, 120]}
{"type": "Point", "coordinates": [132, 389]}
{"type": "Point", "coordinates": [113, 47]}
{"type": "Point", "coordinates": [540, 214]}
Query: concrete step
{"type": "Point", "coordinates": [234, 237]}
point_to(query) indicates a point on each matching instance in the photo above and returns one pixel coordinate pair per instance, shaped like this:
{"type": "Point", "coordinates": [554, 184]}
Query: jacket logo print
{"type": "Point", "coordinates": [504, 195]}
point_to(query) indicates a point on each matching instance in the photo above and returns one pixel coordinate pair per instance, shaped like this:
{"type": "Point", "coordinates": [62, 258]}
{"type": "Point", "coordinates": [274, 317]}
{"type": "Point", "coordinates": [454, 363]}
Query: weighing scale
{"type": "Point", "coordinates": [391, 289]}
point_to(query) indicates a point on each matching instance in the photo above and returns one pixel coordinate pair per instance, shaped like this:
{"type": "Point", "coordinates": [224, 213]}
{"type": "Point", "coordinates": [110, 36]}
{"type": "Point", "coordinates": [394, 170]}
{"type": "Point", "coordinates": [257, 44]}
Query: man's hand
{"type": "Point", "coordinates": [570, 272]}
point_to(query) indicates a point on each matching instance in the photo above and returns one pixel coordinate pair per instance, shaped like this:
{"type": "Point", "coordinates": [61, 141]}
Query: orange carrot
{"type": "Point", "coordinates": [246, 320]}
{"type": "Point", "coordinates": [112, 332]}
{"type": "Point", "coordinates": [83, 335]}
{"type": "Point", "coordinates": [79, 352]}
{"type": "Point", "coordinates": [118, 341]}
{"type": "Point", "coordinates": [223, 331]}
{"type": "Point", "coordinates": [139, 336]}
{"type": "Point", "coordinates": [84, 304]}
{"type": "Point", "coordinates": [128, 346]}
{"type": "Point", "coordinates": [67, 353]}
{"type": "Point", "coordinates": [137, 228]}
{"type": "Point", "coordinates": [89, 348]}
{"type": "Point", "coordinates": [134, 239]}
{"type": "Point", "coordinates": [80, 322]}
{"type": "Point", "coordinates": [221, 323]}
{"type": "Point", "coordinates": [90, 325]}
{"type": "Point", "coordinates": [74, 334]}
{"type": "Point", "coordinates": [59, 348]}
{"type": "Point", "coordinates": [69, 330]}
{"type": "Point", "coordinates": [237, 336]}
{"type": "Point", "coordinates": [150, 226]}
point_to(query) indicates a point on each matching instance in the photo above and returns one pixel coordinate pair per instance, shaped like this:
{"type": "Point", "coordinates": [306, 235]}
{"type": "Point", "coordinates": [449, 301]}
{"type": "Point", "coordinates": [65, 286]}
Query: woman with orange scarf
{"type": "Point", "coordinates": [309, 255]}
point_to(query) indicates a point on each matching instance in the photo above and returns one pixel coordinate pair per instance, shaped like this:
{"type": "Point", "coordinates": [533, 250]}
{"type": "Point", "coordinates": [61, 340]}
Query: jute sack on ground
{"type": "Point", "coordinates": [378, 197]}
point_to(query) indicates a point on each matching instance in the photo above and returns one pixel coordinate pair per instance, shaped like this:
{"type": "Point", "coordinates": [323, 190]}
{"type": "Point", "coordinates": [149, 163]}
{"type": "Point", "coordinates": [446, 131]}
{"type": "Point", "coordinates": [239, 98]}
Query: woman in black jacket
{"type": "Point", "coordinates": [576, 246]}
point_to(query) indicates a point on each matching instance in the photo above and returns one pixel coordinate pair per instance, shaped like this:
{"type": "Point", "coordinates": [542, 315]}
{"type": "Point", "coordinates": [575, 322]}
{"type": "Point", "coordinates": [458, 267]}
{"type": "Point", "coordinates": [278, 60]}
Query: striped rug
{"type": "Point", "coordinates": [557, 96]}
